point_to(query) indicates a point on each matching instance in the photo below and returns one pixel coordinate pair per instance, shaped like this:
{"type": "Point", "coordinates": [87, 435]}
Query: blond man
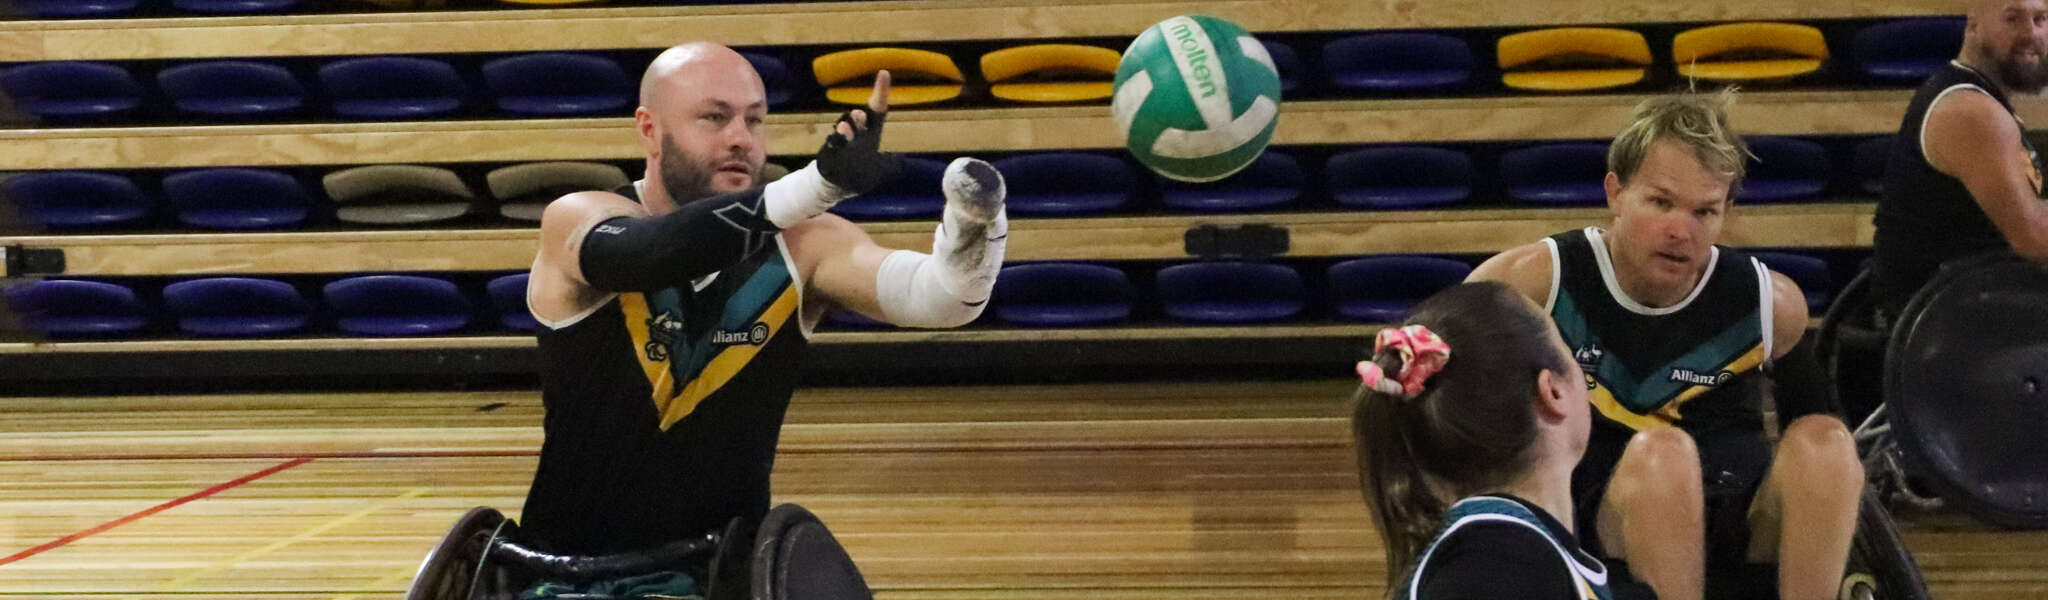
{"type": "Point", "coordinates": [1681, 339]}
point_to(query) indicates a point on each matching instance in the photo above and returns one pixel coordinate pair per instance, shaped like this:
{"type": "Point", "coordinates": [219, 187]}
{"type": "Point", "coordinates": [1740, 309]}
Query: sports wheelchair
{"type": "Point", "coordinates": [1964, 388]}
{"type": "Point", "coordinates": [790, 556]}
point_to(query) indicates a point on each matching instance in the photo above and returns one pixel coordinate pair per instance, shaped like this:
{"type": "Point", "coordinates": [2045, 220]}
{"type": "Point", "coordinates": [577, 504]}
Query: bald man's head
{"type": "Point", "coordinates": [701, 108]}
{"type": "Point", "coordinates": [690, 62]}
{"type": "Point", "coordinates": [2006, 38]}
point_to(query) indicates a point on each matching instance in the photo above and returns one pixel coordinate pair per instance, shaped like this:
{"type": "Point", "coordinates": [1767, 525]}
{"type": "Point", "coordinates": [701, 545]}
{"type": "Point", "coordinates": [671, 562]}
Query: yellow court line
{"type": "Point", "coordinates": [403, 575]}
{"type": "Point", "coordinates": [179, 584]}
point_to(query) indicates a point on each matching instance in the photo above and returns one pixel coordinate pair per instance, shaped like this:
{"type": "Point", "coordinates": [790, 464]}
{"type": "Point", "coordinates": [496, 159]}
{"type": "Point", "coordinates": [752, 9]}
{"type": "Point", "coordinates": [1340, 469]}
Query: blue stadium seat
{"type": "Point", "coordinates": [397, 305]}
{"type": "Point", "coordinates": [71, 89]}
{"type": "Point", "coordinates": [1273, 179]}
{"type": "Point", "coordinates": [70, 308]}
{"type": "Point", "coordinates": [1784, 169]}
{"type": "Point", "coordinates": [914, 194]}
{"type": "Point", "coordinates": [1810, 272]}
{"type": "Point", "coordinates": [392, 87]}
{"type": "Point", "coordinates": [1398, 62]}
{"type": "Point", "coordinates": [553, 84]}
{"type": "Point", "coordinates": [77, 199]}
{"type": "Point", "coordinates": [1066, 183]}
{"type": "Point", "coordinates": [1231, 292]}
{"type": "Point", "coordinates": [1567, 174]}
{"type": "Point", "coordinates": [1293, 72]}
{"type": "Point", "coordinates": [1384, 289]}
{"type": "Point", "coordinates": [76, 8]}
{"type": "Point", "coordinates": [1400, 177]}
{"type": "Point", "coordinates": [775, 78]}
{"type": "Point", "coordinates": [237, 307]}
{"type": "Point", "coordinates": [235, 7]}
{"type": "Point", "coordinates": [1906, 50]}
{"type": "Point", "coordinates": [232, 88]}
{"type": "Point", "coordinates": [237, 198]}
{"type": "Point", "coordinates": [1063, 295]}
{"type": "Point", "coordinates": [508, 298]}
{"type": "Point", "coordinates": [1869, 161]}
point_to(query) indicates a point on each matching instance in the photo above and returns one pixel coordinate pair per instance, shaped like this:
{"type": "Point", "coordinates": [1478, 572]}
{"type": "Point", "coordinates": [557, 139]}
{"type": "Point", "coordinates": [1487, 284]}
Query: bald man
{"type": "Point", "coordinates": [1962, 180]}
{"type": "Point", "coordinates": [677, 309]}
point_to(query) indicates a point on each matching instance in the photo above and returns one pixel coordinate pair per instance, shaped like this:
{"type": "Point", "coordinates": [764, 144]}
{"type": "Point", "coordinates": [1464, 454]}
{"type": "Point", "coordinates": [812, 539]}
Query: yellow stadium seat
{"type": "Point", "coordinates": [1569, 59]}
{"type": "Point", "coordinates": [1050, 68]}
{"type": "Point", "coordinates": [918, 76]}
{"type": "Point", "coordinates": [1749, 52]}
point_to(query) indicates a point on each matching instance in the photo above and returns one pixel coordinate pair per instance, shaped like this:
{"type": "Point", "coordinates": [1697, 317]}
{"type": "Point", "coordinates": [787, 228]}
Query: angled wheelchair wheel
{"type": "Point", "coordinates": [453, 569]}
{"type": "Point", "coordinates": [1966, 388]}
{"type": "Point", "coordinates": [796, 558]}
{"type": "Point", "coordinates": [1850, 345]}
{"type": "Point", "coordinates": [1880, 566]}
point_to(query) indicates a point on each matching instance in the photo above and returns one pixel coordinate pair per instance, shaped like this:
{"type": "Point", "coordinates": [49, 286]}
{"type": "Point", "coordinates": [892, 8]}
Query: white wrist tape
{"type": "Point", "coordinates": [800, 195]}
{"type": "Point", "coordinates": [949, 287]}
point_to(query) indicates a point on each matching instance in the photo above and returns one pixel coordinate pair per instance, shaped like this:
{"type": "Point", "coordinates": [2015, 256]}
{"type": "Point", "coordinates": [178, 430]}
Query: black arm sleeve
{"type": "Point", "coordinates": [1489, 561]}
{"type": "Point", "coordinates": [1801, 386]}
{"type": "Point", "coordinates": [638, 254]}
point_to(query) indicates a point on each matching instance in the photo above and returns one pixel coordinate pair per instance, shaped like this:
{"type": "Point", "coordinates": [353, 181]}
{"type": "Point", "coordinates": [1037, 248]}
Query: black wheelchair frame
{"type": "Point", "coordinates": [790, 556]}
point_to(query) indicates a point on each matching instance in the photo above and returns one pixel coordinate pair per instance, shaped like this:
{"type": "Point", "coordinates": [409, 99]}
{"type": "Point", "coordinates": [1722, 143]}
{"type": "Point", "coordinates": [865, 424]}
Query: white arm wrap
{"type": "Point", "coordinates": [800, 195]}
{"type": "Point", "coordinates": [949, 287]}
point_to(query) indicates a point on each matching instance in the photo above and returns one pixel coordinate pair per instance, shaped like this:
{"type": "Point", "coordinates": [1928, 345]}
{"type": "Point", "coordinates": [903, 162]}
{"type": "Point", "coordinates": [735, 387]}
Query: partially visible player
{"type": "Point", "coordinates": [1469, 421]}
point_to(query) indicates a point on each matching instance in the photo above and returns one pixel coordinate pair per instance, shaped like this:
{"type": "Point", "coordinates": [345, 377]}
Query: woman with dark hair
{"type": "Point", "coordinates": [1469, 421]}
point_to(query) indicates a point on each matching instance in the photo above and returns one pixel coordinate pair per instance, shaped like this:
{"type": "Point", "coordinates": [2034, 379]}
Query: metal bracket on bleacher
{"type": "Point", "coordinates": [22, 262]}
{"type": "Point", "coordinates": [1254, 241]}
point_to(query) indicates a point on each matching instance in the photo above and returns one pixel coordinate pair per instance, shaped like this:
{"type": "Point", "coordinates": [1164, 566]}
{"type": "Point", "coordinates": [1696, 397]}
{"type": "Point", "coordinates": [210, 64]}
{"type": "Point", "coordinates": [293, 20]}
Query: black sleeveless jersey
{"type": "Point", "coordinates": [663, 409]}
{"type": "Point", "coordinates": [1927, 217]}
{"type": "Point", "coordinates": [1696, 364]}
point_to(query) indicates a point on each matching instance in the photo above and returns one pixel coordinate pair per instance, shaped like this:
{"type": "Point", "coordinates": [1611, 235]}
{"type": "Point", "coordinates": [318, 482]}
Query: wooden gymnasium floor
{"type": "Point", "coordinates": [1124, 491]}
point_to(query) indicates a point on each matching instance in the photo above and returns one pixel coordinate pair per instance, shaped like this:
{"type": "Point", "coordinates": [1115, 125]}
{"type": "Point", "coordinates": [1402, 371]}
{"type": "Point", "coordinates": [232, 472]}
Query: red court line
{"type": "Point", "coordinates": [272, 455]}
{"type": "Point", "coordinates": [237, 482]}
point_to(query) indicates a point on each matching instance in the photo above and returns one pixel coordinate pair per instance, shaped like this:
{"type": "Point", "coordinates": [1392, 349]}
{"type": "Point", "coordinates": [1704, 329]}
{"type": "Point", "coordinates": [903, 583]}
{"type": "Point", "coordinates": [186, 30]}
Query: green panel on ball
{"type": "Point", "coordinates": [1197, 98]}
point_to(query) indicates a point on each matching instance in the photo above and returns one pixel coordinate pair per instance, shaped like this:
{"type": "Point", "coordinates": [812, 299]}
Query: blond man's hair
{"type": "Point", "coordinates": [1697, 121]}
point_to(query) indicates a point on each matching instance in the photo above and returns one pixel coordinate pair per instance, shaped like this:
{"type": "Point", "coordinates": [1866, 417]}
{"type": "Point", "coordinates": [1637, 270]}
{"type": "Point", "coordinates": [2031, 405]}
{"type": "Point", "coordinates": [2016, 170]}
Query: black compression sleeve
{"type": "Point", "coordinates": [638, 254]}
{"type": "Point", "coordinates": [1802, 387]}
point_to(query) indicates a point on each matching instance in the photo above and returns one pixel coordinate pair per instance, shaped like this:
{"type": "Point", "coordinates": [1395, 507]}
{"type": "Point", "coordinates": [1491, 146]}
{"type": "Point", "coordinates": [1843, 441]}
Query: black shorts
{"type": "Point", "coordinates": [1732, 465]}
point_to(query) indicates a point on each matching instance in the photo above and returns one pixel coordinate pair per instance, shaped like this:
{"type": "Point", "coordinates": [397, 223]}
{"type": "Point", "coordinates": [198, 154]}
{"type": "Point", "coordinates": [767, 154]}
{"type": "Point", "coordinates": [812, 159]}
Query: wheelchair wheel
{"type": "Point", "coordinates": [796, 558]}
{"type": "Point", "coordinates": [1880, 566]}
{"type": "Point", "coordinates": [1850, 347]}
{"type": "Point", "coordinates": [451, 570]}
{"type": "Point", "coordinates": [1964, 391]}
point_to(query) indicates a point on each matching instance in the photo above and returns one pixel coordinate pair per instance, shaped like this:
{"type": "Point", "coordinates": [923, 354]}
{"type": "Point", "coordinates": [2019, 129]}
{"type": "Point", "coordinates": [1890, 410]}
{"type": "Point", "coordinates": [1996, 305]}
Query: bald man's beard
{"type": "Point", "coordinates": [2015, 76]}
{"type": "Point", "coordinates": [682, 178]}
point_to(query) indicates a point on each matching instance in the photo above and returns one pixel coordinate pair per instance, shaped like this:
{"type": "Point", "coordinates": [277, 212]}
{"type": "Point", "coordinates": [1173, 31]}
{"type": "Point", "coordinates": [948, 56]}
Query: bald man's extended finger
{"type": "Point", "coordinates": [878, 101]}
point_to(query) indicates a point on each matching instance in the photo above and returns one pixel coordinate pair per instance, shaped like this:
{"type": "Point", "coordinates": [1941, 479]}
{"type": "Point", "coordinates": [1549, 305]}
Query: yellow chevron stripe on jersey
{"type": "Point", "coordinates": [1603, 399]}
{"type": "Point", "coordinates": [729, 362]}
{"type": "Point", "coordinates": [634, 305]}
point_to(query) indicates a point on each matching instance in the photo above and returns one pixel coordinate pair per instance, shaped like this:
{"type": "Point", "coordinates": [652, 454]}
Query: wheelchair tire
{"type": "Point", "coordinates": [450, 570]}
{"type": "Point", "coordinates": [1879, 556]}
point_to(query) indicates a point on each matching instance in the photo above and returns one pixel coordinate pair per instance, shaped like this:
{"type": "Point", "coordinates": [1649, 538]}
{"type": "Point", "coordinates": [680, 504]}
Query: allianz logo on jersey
{"type": "Point", "coordinates": [751, 336]}
{"type": "Point", "coordinates": [1706, 379]}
